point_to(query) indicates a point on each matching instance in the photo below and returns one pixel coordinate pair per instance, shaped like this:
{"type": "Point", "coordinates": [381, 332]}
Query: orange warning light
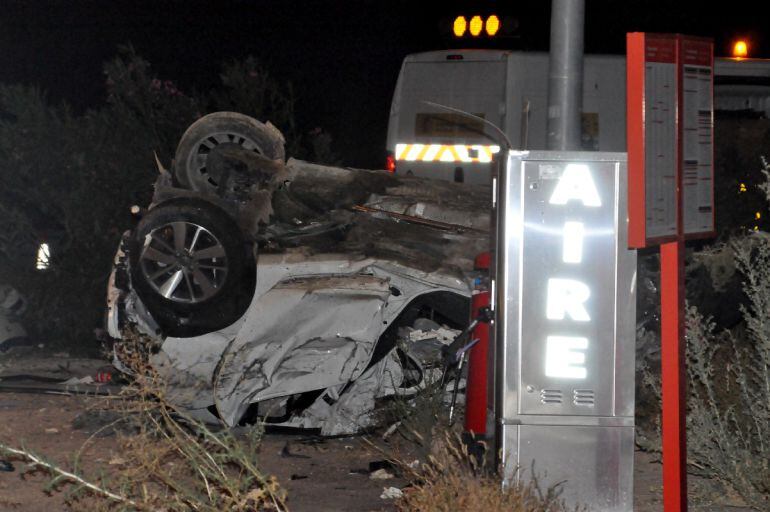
{"type": "Point", "coordinates": [492, 25]}
{"type": "Point", "coordinates": [458, 27]}
{"type": "Point", "coordinates": [476, 25]}
{"type": "Point", "coordinates": [740, 49]}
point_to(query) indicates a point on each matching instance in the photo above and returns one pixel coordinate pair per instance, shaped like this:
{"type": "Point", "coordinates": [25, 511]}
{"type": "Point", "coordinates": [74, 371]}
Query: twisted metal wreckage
{"type": "Point", "coordinates": [296, 292]}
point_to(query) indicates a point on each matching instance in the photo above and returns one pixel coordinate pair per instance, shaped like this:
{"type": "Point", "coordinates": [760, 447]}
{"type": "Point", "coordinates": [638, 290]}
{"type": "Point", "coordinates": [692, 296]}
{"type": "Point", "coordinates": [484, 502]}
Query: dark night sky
{"type": "Point", "coordinates": [342, 56]}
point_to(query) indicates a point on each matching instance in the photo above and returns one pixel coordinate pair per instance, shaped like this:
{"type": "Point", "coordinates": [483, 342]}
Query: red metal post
{"type": "Point", "coordinates": [672, 341]}
{"type": "Point", "coordinates": [476, 385]}
{"type": "Point", "coordinates": [673, 376]}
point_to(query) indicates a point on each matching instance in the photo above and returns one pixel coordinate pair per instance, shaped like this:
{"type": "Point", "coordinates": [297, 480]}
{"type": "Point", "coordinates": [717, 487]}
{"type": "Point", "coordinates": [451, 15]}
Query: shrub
{"type": "Point", "coordinates": [729, 375]}
{"type": "Point", "coordinates": [452, 481]}
{"type": "Point", "coordinates": [69, 179]}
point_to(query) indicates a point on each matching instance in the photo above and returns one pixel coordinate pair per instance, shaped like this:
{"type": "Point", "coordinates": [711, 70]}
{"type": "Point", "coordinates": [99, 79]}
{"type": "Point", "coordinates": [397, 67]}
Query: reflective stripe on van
{"type": "Point", "coordinates": [445, 153]}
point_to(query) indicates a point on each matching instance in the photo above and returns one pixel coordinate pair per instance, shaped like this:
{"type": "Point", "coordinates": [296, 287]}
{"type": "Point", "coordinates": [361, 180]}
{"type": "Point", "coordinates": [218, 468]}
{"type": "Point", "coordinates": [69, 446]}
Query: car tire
{"type": "Point", "coordinates": [191, 267]}
{"type": "Point", "coordinates": [217, 129]}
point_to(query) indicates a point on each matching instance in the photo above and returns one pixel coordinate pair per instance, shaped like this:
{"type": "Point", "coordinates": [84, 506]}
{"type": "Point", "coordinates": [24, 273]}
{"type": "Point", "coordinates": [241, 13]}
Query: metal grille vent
{"type": "Point", "coordinates": [584, 397]}
{"type": "Point", "coordinates": [551, 396]}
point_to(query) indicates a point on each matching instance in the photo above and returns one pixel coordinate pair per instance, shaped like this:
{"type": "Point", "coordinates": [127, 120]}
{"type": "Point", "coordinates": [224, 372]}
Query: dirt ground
{"type": "Point", "coordinates": [319, 475]}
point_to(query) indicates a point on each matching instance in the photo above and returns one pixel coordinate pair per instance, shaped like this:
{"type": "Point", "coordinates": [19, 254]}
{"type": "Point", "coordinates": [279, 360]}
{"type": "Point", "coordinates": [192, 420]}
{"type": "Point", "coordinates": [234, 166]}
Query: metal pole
{"type": "Point", "coordinates": [565, 74]}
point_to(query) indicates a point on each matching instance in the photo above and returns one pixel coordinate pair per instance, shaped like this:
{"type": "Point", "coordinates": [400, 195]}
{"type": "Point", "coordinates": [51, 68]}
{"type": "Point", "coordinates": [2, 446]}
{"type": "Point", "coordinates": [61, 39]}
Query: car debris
{"type": "Point", "coordinates": [380, 474]}
{"type": "Point", "coordinates": [391, 493]}
{"type": "Point", "coordinates": [290, 291]}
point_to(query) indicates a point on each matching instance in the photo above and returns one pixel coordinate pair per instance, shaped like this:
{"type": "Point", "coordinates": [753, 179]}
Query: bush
{"type": "Point", "coordinates": [729, 373]}
{"type": "Point", "coordinates": [69, 179]}
{"type": "Point", "coordinates": [451, 481]}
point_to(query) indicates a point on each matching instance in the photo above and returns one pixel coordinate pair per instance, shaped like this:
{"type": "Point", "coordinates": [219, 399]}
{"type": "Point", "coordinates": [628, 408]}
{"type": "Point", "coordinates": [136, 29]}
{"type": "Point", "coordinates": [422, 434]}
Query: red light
{"type": "Point", "coordinates": [390, 164]}
{"type": "Point", "coordinates": [454, 57]}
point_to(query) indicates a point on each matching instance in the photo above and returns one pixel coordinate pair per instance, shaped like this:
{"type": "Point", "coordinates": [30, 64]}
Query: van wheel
{"type": "Point", "coordinates": [219, 129]}
{"type": "Point", "coordinates": [191, 267]}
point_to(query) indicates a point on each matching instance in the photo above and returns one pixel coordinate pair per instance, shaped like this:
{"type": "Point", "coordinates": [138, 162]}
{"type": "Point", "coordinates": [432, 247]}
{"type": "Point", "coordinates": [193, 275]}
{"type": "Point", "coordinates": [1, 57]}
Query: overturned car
{"type": "Point", "coordinates": [297, 293]}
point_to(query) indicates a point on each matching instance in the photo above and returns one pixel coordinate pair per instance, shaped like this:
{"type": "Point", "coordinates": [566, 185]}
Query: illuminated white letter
{"type": "Point", "coordinates": [566, 296]}
{"type": "Point", "coordinates": [572, 251]}
{"type": "Point", "coordinates": [564, 357]}
{"type": "Point", "coordinates": [576, 183]}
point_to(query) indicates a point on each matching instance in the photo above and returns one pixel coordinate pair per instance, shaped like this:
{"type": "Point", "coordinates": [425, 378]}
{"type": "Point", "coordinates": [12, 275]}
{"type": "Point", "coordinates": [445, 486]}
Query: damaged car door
{"type": "Point", "coordinates": [303, 335]}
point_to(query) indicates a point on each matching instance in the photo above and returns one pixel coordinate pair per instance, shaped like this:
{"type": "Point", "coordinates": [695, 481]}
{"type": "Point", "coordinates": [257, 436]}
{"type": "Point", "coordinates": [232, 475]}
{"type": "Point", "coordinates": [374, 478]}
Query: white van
{"type": "Point", "coordinates": [510, 90]}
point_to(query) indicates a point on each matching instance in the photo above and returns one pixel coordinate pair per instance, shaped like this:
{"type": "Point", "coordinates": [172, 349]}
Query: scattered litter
{"type": "Point", "coordinates": [348, 447]}
{"type": "Point", "coordinates": [52, 431]}
{"type": "Point", "coordinates": [391, 429]}
{"type": "Point", "coordinates": [297, 477]}
{"type": "Point", "coordinates": [117, 461]}
{"type": "Point", "coordinates": [380, 474]}
{"type": "Point", "coordinates": [391, 493]}
{"type": "Point", "coordinates": [103, 376]}
{"type": "Point", "coordinates": [82, 380]}
{"type": "Point", "coordinates": [414, 464]}
{"type": "Point", "coordinates": [6, 466]}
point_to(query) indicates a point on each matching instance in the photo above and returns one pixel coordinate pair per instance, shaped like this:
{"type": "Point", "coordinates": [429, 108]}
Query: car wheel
{"type": "Point", "coordinates": [191, 267]}
{"type": "Point", "coordinates": [218, 129]}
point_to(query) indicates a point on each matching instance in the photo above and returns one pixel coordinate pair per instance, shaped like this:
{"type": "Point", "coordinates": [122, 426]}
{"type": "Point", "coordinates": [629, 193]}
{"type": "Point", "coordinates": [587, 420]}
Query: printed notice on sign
{"type": "Point", "coordinates": [660, 137]}
{"type": "Point", "coordinates": [697, 137]}
{"type": "Point", "coordinates": [670, 128]}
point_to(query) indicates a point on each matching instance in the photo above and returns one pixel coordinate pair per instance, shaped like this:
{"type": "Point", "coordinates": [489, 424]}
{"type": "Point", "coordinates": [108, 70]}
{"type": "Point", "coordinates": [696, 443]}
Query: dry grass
{"type": "Point", "coordinates": [168, 462]}
{"type": "Point", "coordinates": [453, 481]}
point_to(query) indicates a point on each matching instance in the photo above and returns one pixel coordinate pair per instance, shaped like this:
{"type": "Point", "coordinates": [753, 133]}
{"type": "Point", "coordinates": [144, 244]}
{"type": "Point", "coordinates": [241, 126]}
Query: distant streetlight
{"type": "Point", "coordinates": [740, 49]}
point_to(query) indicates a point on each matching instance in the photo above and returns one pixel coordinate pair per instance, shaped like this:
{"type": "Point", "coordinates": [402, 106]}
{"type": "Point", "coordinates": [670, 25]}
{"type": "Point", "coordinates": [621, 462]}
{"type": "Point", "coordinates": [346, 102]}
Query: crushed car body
{"type": "Point", "coordinates": [291, 291]}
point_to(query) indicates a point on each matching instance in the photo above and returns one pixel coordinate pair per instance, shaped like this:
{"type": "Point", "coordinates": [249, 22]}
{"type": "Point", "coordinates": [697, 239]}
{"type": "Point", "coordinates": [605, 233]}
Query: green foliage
{"type": "Point", "coordinates": [69, 180]}
{"type": "Point", "coordinates": [248, 88]}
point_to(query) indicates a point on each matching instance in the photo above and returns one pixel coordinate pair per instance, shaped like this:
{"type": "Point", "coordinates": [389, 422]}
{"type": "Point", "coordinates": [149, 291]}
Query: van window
{"type": "Point", "coordinates": [451, 125]}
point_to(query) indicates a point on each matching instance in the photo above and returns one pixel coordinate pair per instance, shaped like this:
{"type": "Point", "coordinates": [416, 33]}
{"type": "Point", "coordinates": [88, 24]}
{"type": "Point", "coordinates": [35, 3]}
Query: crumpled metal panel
{"type": "Point", "coordinates": [292, 343]}
{"type": "Point", "coordinates": [354, 408]}
{"type": "Point", "coordinates": [313, 324]}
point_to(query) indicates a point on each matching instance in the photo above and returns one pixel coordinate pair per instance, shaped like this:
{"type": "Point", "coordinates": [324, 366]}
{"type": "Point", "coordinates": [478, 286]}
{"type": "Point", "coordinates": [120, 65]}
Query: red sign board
{"type": "Point", "coordinates": [670, 88]}
{"type": "Point", "coordinates": [670, 122]}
